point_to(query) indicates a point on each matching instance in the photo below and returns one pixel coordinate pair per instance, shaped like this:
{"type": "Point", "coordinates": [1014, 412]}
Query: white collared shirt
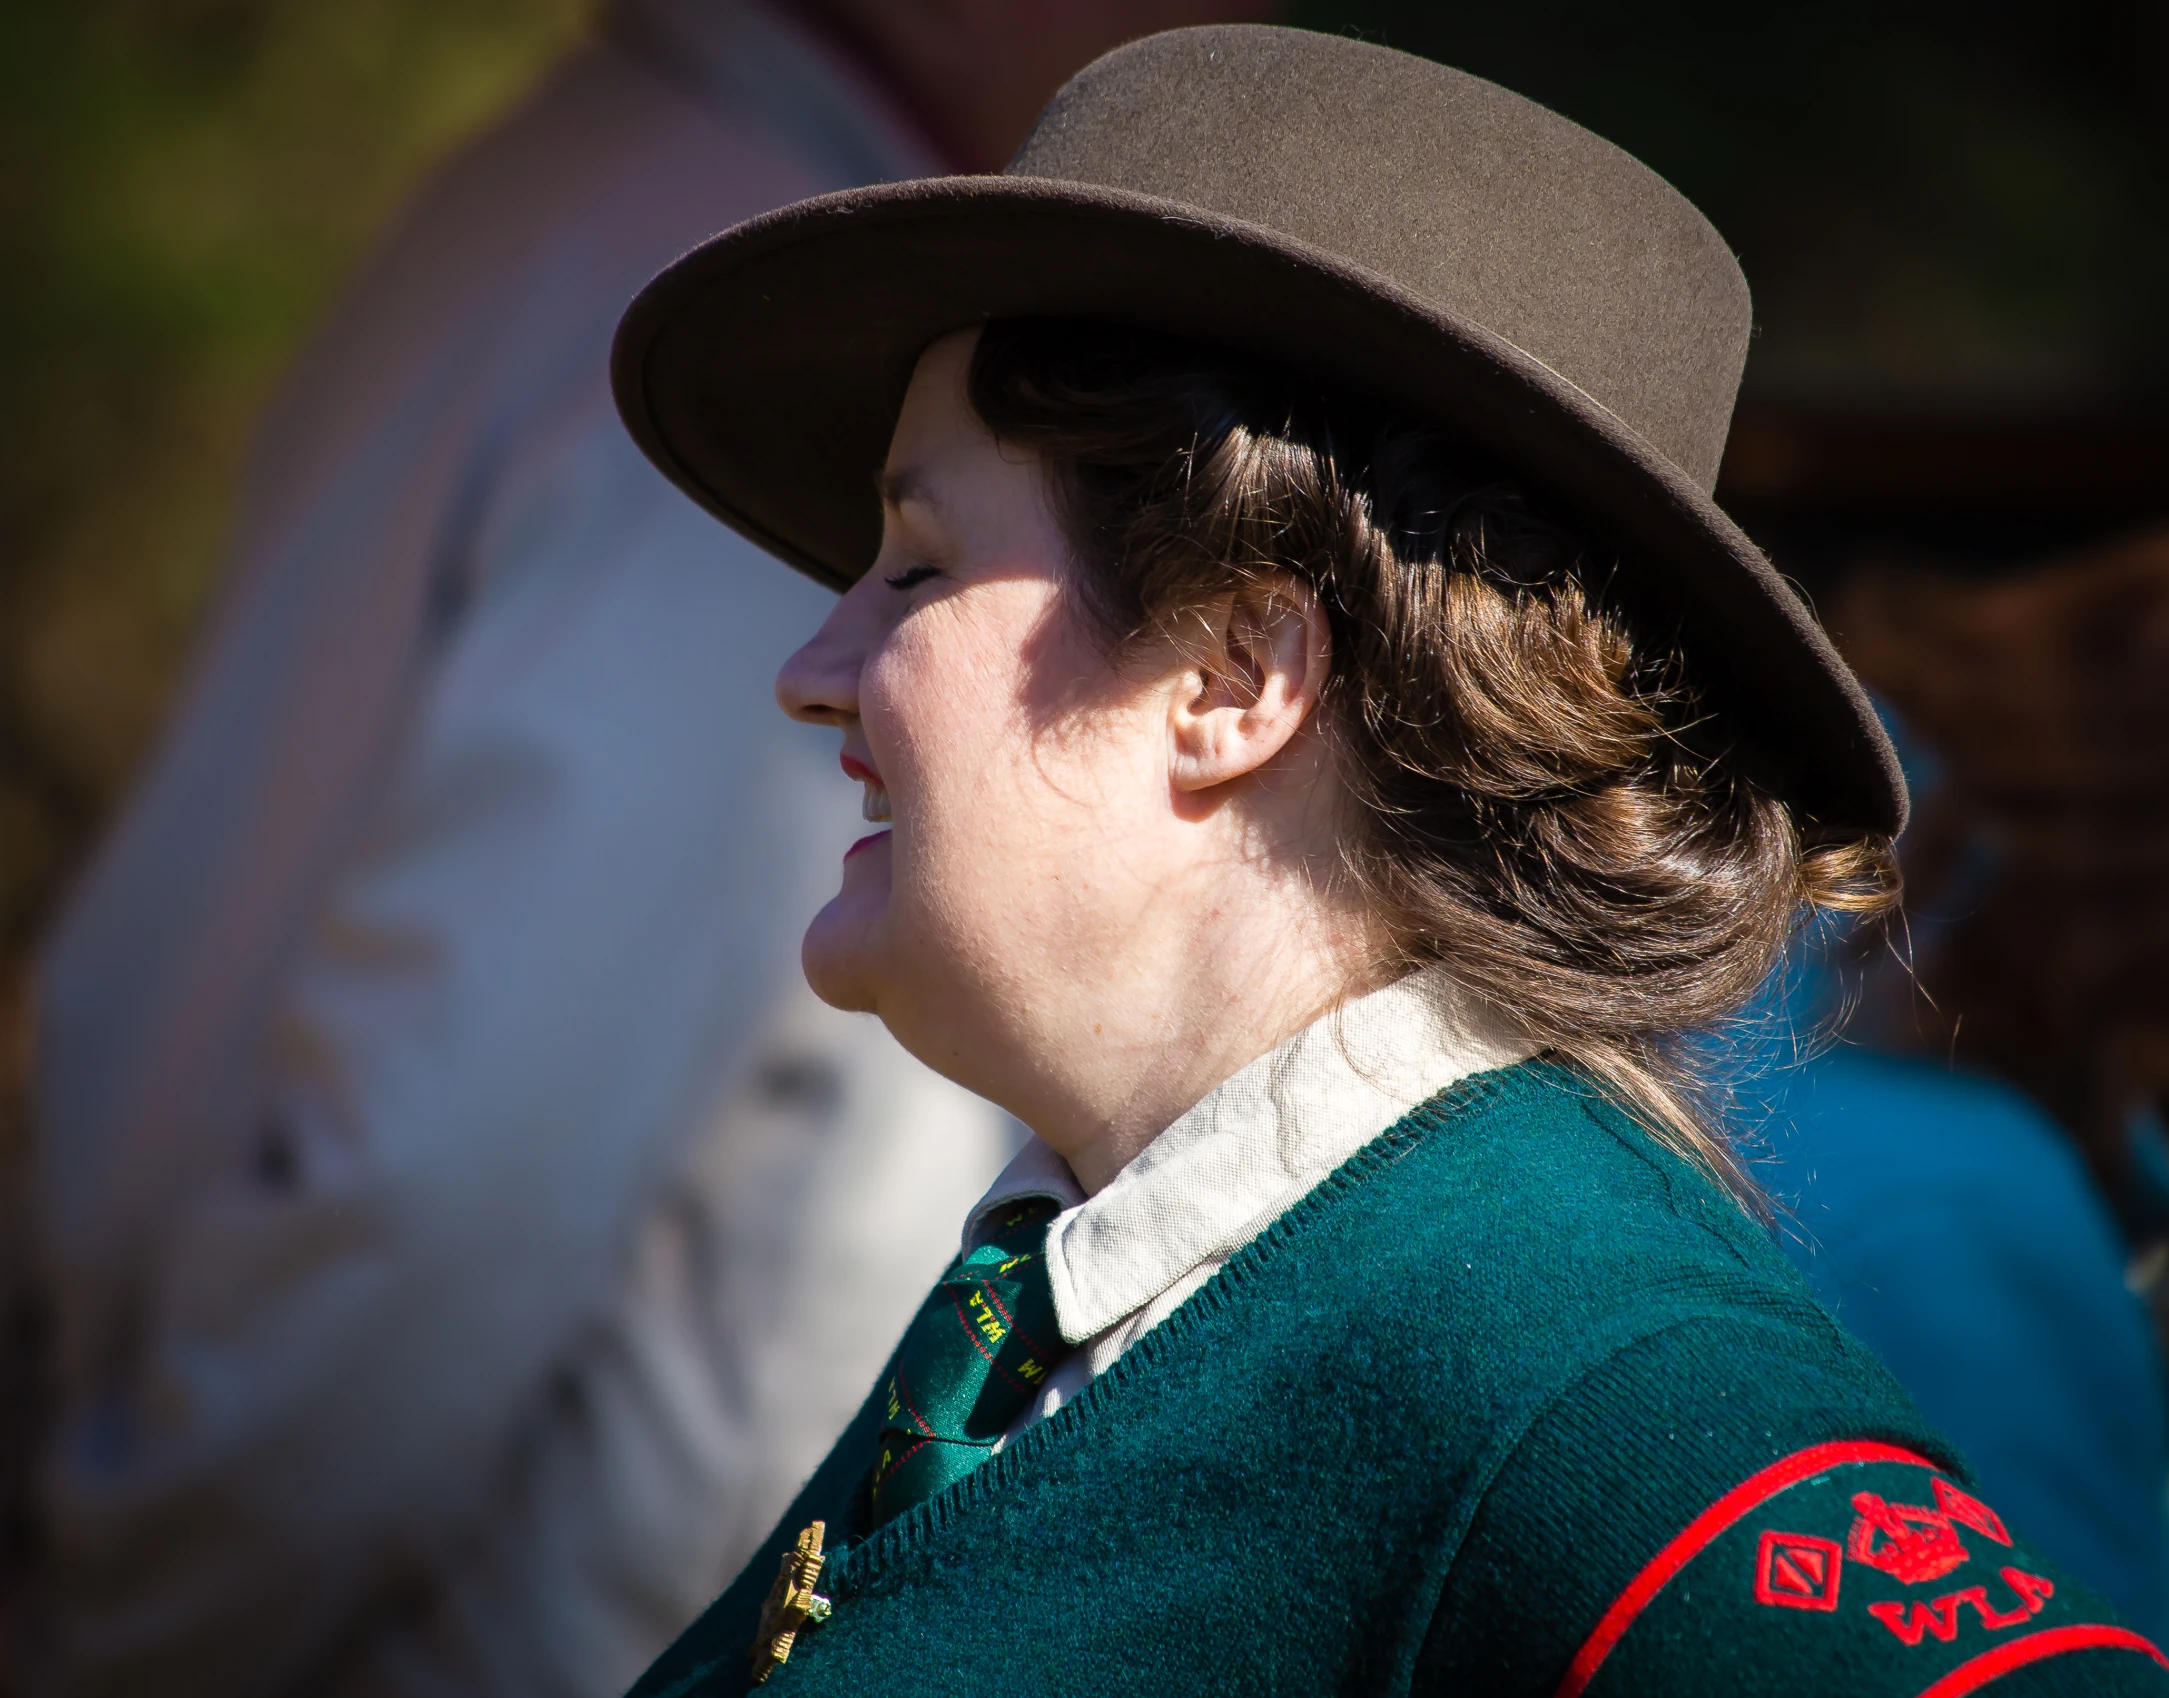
{"type": "Point", "coordinates": [1121, 1261]}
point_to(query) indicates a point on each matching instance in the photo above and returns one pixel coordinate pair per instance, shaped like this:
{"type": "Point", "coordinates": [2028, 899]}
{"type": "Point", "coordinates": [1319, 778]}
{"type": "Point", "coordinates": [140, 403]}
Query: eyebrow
{"type": "Point", "coordinates": [907, 483]}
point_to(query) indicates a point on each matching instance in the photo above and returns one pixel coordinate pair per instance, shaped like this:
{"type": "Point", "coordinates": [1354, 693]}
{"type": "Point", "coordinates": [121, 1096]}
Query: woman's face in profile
{"type": "Point", "coordinates": [1016, 779]}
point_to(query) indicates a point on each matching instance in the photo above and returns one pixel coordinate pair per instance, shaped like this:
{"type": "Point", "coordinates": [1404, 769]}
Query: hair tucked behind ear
{"type": "Point", "coordinates": [1542, 807]}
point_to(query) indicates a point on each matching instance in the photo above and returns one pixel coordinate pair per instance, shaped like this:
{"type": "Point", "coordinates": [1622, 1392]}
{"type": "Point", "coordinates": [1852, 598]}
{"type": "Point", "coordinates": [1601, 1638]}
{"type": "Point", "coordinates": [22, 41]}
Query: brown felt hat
{"type": "Point", "coordinates": [1383, 223]}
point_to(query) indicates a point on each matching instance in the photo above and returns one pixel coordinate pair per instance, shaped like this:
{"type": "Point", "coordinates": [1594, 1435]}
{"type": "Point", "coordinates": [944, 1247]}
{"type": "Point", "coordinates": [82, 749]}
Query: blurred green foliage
{"type": "Point", "coordinates": [184, 182]}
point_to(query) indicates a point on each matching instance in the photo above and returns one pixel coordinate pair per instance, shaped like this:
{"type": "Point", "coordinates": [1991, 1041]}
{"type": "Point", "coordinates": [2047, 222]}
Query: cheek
{"type": "Point", "coordinates": [1022, 779]}
{"type": "Point", "coordinates": [940, 706]}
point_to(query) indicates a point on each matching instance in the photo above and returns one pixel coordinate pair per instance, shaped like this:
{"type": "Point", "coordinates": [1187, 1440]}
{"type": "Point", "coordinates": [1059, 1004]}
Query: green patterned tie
{"type": "Point", "coordinates": [975, 1357]}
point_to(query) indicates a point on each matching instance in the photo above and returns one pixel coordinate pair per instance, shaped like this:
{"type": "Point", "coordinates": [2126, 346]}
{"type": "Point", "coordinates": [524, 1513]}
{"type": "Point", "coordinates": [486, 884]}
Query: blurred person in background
{"type": "Point", "coordinates": [1982, 1210]}
{"type": "Point", "coordinates": [464, 1231]}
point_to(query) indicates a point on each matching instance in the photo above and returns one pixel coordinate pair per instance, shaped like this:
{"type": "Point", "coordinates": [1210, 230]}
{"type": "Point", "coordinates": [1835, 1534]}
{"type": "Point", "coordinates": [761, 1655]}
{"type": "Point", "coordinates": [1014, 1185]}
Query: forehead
{"type": "Point", "coordinates": [936, 428]}
{"type": "Point", "coordinates": [952, 492]}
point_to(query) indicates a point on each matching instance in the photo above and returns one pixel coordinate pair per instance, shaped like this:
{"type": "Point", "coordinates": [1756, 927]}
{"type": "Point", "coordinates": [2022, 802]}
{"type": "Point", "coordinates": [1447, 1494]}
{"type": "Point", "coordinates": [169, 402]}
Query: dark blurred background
{"type": "Point", "coordinates": [1955, 219]}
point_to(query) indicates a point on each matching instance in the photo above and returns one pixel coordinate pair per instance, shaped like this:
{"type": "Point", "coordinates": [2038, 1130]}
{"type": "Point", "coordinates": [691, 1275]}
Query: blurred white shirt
{"type": "Point", "coordinates": [466, 1231]}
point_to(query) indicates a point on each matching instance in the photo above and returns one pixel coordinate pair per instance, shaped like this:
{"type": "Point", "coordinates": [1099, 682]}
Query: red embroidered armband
{"type": "Point", "coordinates": [1856, 1567]}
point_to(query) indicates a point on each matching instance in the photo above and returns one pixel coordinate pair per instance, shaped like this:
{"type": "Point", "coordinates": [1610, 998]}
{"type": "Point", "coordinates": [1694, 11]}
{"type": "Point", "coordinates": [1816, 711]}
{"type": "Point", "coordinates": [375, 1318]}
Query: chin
{"type": "Point", "coordinates": [842, 953]}
{"type": "Point", "coordinates": [839, 957]}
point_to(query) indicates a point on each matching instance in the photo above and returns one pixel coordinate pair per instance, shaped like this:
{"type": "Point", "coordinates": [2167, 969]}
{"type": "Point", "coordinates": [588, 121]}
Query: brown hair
{"type": "Point", "coordinates": [1541, 805]}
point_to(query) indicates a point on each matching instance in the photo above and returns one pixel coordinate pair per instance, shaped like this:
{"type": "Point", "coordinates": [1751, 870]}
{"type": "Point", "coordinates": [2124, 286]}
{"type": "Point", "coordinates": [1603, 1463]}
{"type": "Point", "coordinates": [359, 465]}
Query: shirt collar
{"type": "Point", "coordinates": [1249, 1149]}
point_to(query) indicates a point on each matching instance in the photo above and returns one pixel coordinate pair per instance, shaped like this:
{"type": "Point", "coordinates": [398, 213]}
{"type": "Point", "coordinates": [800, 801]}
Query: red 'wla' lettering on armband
{"type": "Point", "coordinates": [1939, 1616]}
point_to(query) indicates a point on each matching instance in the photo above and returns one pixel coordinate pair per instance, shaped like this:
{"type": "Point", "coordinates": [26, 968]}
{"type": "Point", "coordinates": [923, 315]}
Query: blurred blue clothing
{"type": "Point", "coordinates": [1953, 1228]}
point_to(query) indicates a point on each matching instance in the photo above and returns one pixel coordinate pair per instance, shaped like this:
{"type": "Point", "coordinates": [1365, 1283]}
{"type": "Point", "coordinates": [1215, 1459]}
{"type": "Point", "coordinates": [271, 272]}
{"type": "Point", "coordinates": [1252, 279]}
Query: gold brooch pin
{"type": "Point", "coordinates": [790, 1604]}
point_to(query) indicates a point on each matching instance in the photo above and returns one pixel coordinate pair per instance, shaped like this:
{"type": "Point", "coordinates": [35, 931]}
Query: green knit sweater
{"type": "Point", "coordinates": [1513, 1403]}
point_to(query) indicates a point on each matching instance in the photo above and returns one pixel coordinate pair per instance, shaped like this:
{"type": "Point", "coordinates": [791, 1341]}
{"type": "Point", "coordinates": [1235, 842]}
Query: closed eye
{"type": "Point", "coordinates": [911, 575]}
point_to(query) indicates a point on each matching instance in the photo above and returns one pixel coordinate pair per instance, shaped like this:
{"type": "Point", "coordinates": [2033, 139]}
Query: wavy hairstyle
{"type": "Point", "coordinates": [1542, 805]}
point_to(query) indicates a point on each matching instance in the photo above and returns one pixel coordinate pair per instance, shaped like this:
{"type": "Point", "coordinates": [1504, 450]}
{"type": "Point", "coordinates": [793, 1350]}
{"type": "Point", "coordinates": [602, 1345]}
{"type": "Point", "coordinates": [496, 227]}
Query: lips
{"type": "Point", "coordinates": [874, 806]}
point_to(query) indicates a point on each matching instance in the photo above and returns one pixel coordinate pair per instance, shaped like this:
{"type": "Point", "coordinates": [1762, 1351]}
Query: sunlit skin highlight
{"type": "Point", "coordinates": [1105, 885]}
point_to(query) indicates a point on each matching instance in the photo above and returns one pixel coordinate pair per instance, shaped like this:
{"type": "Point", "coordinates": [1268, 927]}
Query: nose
{"type": "Point", "coordinates": [819, 685]}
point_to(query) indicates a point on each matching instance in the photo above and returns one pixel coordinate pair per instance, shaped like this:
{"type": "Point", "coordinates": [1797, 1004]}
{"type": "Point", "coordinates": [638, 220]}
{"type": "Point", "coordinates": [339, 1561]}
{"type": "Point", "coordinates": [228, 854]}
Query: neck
{"type": "Point", "coordinates": [1121, 1056]}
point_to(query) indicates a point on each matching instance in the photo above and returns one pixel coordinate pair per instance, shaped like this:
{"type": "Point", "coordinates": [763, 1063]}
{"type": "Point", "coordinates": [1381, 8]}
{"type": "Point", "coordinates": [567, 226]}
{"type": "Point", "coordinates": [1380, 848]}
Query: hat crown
{"type": "Point", "coordinates": [1445, 186]}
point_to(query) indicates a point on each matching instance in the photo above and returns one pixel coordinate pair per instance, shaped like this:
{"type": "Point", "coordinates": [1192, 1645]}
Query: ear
{"type": "Point", "coordinates": [1258, 660]}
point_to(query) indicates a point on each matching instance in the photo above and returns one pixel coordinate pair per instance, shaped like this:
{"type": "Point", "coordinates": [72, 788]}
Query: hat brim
{"type": "Point", "coordinates": [763, 372]}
